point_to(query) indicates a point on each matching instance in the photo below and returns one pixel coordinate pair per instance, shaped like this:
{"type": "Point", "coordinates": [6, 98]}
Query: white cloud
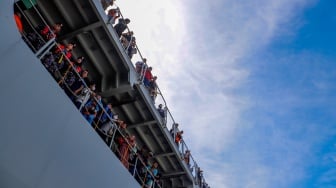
{"type": "Point", "coordinates": [197, 49]}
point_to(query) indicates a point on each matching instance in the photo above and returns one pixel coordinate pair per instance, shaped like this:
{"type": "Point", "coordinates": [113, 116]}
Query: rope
{"type": "Point", "coordinates": [144, 180]}
{"type": "Point", "coordinates": [65, 74]}
{"type": "Point", "coordinates": [96, 123]}
{"type": "Point", "coordinates": [61, 58]}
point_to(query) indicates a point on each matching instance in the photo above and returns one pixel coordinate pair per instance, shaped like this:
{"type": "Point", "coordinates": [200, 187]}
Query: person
{"type": "Point", "coordinates": [77, 85]}
{"type": "Point", "coordinates": [178, 137]}
{"type": "Point", "coordinates": [126, 38]}
{"type": "Point", "coordinates": [45, 33]}
{"type": "Point", "coordinates": [148, 76]}
{"type": "Point", "coordinates": [199, 175]}
{"type": "Point", "coordinates": [174, 129]}
{"type": "Point", "coordinates": [158, 183]}
{"type": "Point", "coordinates": [64, 51]}
{"type": "Point", "coordinates": [106, 3]}
{"type": "Point", "coordinates": [153, 88]}
{"type": "Point", "coordinates": [121, 26]}
{"type": "Point", "coordinates": [96, 101]}
{"type": "Point", "coordinates": [51, 32]}
{"type": "Point", "coordinates": [161, 111]}
{"type": "Point", "coordinates": [89, 113]}
{"type": "Point", "coordinates": [84, 95]}
{"type": "Point", "coordinates": [49, 63]}
{"type": "Point", "coordinates": [140, 65]}
{"type": "Point", "coordinates": [154, 170]}
{"type": "Point", "coordinates": [70, 73]}
{"type": "Point", "coordinates": [62, 55]}
{"type": "Point", "coordinates": [106, 125]}
{"type": "Point", "coordinates": [125, 148]}
{"type": "Point", "coordinates": [78, 64]}
{"type": "Point", "coordinates": [186, 157]}
{"type": "Point", "coordinates": [109, 114]}
{"type": "Point", "coordinates": [131, 50]}
{"type": "Point", "coordinates": [145, 156]}
{"type": "Point", "coordinates": [113, 15]}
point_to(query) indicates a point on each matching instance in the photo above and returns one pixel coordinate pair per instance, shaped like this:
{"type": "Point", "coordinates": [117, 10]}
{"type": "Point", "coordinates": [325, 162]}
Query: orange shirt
{"type": "Point", "coordinates": [178, 138]}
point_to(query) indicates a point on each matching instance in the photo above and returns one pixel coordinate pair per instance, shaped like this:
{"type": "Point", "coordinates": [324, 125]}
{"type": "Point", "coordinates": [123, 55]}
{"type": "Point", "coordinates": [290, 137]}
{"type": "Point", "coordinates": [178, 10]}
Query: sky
{"type": "Point", "coordinates": [251, 83]}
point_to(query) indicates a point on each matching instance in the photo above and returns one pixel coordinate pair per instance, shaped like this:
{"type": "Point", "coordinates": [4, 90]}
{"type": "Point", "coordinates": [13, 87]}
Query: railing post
{"type": "Point", "coordinates": [135, 164]}
{"type": "Point", "coordinates": [84, 101]}
{"type": "Point", "coordinates": [45, 48]}
{"type": "Point", "coordinates": [113, 135]}
{"type": "Point", "coordinates": [182, 148]}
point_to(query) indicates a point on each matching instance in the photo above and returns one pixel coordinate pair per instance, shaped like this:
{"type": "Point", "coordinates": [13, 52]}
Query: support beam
{"type": "Point", "coordinates": [115, 91]}
{"type": "Point", "coordinates": [80, 30]}
{"type": "Point", "coordinates": [146, 123]}
{"type": "Point", "coordinates": [156, 138]}
{"type": "Point", "coordinates": [164, 154]}
{"type": "Point", "coordinates": [173, 174]}
{"type": "Point", "coordinates": [124, 102]}
{"type": "Point", "coordinates": [142, 109]}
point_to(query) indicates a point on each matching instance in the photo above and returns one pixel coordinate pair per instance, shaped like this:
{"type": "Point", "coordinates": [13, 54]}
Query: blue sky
{"type": "Point", "coordinates": [251, 82]}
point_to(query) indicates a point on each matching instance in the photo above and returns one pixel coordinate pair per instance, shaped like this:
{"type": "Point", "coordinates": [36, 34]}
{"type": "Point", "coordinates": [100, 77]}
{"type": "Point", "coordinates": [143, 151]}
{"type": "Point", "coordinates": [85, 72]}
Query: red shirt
{"type": "Point", "coordinates": [67, 53]}
{"type": "Point", "coordinates": [148, 75]}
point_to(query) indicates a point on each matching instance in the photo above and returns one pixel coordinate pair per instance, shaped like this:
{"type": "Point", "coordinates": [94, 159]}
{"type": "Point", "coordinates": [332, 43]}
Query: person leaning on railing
{"type": "Point", "coordinates": [126, 38]}
{"type": "Point", "coordinates": [186, 158]}
{"type": "Point", "coordinates": [131, 50]}
{"type": "Point", "coordinates": [154, 170]}
{"type": "Point", "coordinates": [63, 54]}
{"type": "Point", "coordinates": [139, 66]}
{"type": "Point", "coordinates": [174, 129]}
{"type": "Point", "coordinates": [142, 157]}
{"type": "Point", "coordinates": [113, 15]}
{"type": "Point", "coordinates": [78, 85]}
{"type": "Point", "coordinates": [178, 137]}
{"type": "Point", "coordinates": [148, 76]}
{"type": "Point", "coordinates": [89, 113]}
{"type": "Point", "coordinates": [92, 107]}
{"type": "Point", "coordinates": [78, 64]}
{"type": "Point", "coordinates": [51, 32]}
{"type": "Point", "coordinates": [153, 88]}
{"type": "Point", "coordinates": [104, 120]}
{"type": "Point", "coordinates": [157, 181]}
{"type": "Point", "coordinates": [161, 111]}
{"type": "Point", "coordinates": [84, 95]}
{"type": "Point", "coordinates": [106, 3]}
{"type": "Point", "coordinates": [126, 145]}
{"type": "Point", "coordinates": [121, 26]}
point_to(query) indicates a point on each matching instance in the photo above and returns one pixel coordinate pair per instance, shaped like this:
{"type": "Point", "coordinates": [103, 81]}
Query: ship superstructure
{"type": "Point", "coordinates": [45, 141]}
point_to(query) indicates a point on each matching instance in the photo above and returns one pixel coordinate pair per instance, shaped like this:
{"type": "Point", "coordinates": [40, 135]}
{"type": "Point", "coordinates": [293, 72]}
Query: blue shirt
{"type": "Point", "coordinates": [104, 117]}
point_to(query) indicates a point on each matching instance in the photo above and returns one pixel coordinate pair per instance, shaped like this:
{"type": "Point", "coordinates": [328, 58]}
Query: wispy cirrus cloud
{"type": "Point", "coordinates": [222, 36]}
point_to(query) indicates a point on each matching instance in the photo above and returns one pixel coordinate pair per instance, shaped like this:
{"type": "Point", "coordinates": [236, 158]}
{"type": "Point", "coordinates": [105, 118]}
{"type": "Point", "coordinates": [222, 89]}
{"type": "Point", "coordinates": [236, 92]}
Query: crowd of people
{"type": "Point", "coordinates": [73, 78]}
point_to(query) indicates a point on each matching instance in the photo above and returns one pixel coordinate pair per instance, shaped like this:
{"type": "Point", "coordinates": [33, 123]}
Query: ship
{"type": "Point", "coordinates": [46, 140]}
